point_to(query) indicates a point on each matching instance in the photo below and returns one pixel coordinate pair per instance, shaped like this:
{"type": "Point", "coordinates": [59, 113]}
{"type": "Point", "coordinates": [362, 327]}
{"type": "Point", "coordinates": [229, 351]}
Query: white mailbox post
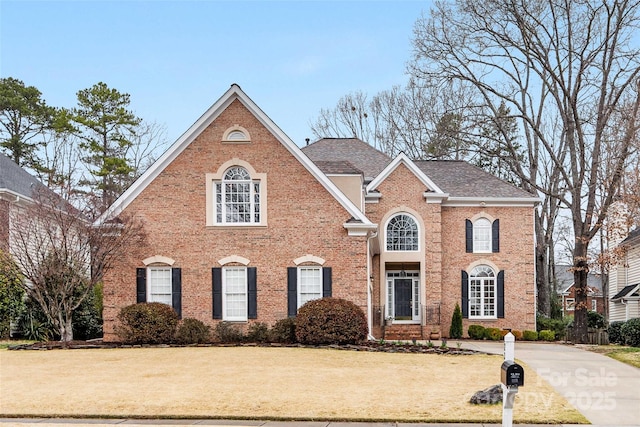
{"type": "Point", "coordinates": [512, 377]}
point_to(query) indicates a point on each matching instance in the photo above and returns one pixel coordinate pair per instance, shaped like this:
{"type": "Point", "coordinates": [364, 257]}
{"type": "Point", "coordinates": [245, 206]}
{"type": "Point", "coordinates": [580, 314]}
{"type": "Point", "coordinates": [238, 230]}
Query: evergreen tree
{"type": "Point", "coordinates": [455, 331]}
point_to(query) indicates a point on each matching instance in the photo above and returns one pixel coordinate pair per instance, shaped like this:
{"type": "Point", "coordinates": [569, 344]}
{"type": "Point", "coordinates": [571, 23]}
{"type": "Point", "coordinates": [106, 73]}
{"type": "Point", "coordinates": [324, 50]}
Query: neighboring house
{"type": "Point", "coordinates": [17, 188]}
{"type": "Point", "coordinates": [624, 281]}
{"type": "Point", "coordinates": [566, 291]}
{"type": "Point", "coordinates": [242, 225]}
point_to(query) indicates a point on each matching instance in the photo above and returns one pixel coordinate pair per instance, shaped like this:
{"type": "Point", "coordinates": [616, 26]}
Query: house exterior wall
{"type": "Point", "coordinates": [626, 272]}
{"type": "Point", "coordinates": [302, 218]}
{"type": "Point", "coordinates": [516, 258]}
{"type": "Point", "coordinates": [4, 225]}
{"type": "Point", "coordinates": [351, 186]}
{"type": "Point", "coordinates": [567, 307]}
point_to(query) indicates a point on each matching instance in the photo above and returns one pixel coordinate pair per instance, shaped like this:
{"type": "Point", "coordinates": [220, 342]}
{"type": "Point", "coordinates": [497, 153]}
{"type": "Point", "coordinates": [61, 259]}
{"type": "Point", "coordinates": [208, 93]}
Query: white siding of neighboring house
{"type": "Point", "coordinates": [624, 276]}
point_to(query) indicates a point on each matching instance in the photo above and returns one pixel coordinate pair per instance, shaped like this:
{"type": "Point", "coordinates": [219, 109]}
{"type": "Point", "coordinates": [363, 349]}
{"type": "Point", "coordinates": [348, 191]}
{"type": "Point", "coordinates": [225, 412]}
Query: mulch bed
{"type": "Point", "coordinates": [375, 346]}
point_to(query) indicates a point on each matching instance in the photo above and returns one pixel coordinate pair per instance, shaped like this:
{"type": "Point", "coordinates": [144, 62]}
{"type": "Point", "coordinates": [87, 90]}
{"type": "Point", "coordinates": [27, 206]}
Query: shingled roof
{"type": "Point", "coordinates": [16, 180]}
{"type": "Point", "coordinates": [338, 168]}
{"type": "Point", "coordinates": [359, 154]}
{"type": "Point", "coordinates": [461, 179]}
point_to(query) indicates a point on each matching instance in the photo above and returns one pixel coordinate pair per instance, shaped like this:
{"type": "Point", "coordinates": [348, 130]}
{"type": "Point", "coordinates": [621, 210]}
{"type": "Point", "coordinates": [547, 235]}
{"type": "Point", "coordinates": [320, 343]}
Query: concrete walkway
{"type": "Point", "coordinates": [605, 391]}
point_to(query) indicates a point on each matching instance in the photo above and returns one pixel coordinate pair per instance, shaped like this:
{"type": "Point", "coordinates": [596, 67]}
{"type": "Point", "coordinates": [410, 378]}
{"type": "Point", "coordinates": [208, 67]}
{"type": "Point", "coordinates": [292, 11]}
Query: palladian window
{"type": "Point", "coordinates": [402, 234]}
{"type": "Point", "coordinates": [237, 198]}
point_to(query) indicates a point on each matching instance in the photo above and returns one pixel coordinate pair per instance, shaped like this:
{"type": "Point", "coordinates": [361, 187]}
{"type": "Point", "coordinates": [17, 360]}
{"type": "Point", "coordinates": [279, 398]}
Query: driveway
{"type": "Point", "coordinates": [605, 391]}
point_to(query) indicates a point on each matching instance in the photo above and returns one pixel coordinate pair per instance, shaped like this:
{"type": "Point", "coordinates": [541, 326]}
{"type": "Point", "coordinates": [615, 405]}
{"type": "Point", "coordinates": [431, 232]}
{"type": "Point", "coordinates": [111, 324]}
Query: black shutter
{"type": "Point", "coordinates": [252, 292]}
{"type": "Point", "coordinates": [495, 236]}
{"type": "Point", "coordinates": [176, 290]}
{"type": "Point", "coordinates": [500, 292]}
{"type": "Point", "coordinates": [216, 279]}
{"type": "Point", "coordinates": [326, 282]}
{"type": "Point", "coordinates": [469, 235]}
{"type": "Point", "coordinates": [292, 291]}
{"type": "Point", "coordinates": [141, 284]}
{"type": "Point", "coordinates": [464, 290]}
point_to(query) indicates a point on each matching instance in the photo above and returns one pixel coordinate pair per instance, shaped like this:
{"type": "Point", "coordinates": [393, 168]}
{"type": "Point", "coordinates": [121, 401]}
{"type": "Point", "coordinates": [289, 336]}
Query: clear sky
{"type": "Point", "coordinates": [176, 58]}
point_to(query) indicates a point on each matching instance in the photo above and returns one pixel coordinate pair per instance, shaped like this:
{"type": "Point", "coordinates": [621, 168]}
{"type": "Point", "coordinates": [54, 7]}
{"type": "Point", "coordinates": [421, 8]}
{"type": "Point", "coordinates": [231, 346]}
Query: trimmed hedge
{"type": "Point", "coordinates": [193, 331]}
{"type": "Point", "coordinates": [331, 321]}
{"type": "Point", "coordinates": [631, 332]}
{"type": "Point", "coordinates": [530, 336]}
{"type": "Point", "coordinates": [147, 323]}
{"type": "Point", "coordinates": [258, 332]}
{"type": "Point", "coordinates": [283, 331]}
{"type": "Point", "coordinates": [227, 332]}
{"type": "Point", "coordinates": [493, 334]}
{"type": "Point", "coordinates": [476, 332]}
{"type": "Point", "coordinates": [547, 335]}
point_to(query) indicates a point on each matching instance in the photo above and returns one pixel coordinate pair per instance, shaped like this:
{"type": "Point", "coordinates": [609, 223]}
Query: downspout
{"type": "Point", "coordinates": [370, 285]}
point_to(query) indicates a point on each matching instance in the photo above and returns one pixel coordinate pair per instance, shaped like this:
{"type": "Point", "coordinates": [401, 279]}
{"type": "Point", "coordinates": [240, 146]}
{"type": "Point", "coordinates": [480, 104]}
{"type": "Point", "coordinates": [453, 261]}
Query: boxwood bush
{"type": "Point", "coordinates": [283, 331]}
{"type": "Point", "coordinates": [330, 321]}
{"type": "Point", "coordinates": [547, 335]}
{"type": "Point", "coordinates": [258, 332]}
{"type": "Point", "coordinates": [493, 334]}
{"type": "Point", "coordinates": [631, 332]}
{"type": "Point", "coordinates": [227, 332]}
{"type": "Point", "coordinates": [193, 331]}
{"type": "Point", "coordinates": [147, 323]}
{"type": "Point", "coordinates": [476, 332]}
{"type": "Point", "coordinates": [615, 333]}
{"type": "Point", "coordinates": [530, 335]}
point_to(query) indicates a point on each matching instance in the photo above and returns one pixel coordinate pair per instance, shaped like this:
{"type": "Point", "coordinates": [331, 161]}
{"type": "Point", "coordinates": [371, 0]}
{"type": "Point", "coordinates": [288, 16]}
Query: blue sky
{"type": "Point", "coordinates": [176, 58]}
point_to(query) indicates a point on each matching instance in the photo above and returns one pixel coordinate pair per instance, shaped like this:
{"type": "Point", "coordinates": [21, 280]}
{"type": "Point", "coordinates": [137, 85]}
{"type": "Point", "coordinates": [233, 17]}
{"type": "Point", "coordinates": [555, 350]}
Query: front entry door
{"type": "Point", "coordinates": [403, 289]}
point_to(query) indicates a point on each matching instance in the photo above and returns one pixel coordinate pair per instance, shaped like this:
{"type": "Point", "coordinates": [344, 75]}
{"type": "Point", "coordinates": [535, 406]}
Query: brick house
{"type": "Point", "coordinates": [567, 293]}
{"type": "Point", "coordinates": [243, 225]}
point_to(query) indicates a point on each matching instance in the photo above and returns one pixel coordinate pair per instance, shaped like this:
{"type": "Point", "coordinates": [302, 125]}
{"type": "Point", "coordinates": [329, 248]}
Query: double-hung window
{"type": "Point", "coordinates": [234, 293]}
{"type": "Point", "coordinates": [159, 285]}
{"type": "Point", "coordinates": [309, 284]}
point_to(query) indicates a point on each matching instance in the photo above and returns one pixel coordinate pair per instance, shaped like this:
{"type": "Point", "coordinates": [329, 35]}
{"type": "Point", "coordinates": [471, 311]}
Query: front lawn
{"type": "Point", "coordinates": [628, 355]}
{"type": "Point", "coordinates": [265, 383]}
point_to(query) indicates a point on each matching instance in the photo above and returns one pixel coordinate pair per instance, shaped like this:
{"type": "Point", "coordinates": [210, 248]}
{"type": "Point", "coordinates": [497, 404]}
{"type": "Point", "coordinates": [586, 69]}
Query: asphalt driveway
{"type": "Point", "coordinates": [604, 390]}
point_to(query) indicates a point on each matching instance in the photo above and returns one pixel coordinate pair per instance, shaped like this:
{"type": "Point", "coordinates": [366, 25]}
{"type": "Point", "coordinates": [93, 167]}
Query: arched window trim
{"type": "Point", "coordinates": [483, 292]}
{"type": "Point", "coordinates": [402, 246]}
{"type": "Point", "coordinates": [482, 237]}
{"type": "Point", "coordinates": [236, 134]}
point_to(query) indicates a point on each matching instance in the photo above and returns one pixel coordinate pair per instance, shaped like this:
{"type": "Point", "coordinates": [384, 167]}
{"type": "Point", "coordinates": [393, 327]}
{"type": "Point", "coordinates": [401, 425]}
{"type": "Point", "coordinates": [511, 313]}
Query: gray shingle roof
{"type": "Point", "coordinates": [461, 179]}
{"type": "Point", "coordinates": [361, 155]}
{"type": "Point", "coordinates": [16, 179]}
{"type": "Point", "coordinates": [626, 292]}
{"type": "Point", "coordinates": [564, 278]}
{"type": "Point", "coordinates": [340, 168]}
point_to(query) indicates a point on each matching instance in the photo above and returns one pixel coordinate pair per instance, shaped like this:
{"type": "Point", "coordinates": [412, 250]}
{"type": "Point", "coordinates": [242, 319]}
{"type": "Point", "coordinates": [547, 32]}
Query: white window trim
{"type": "Point", "coordinates": [594, 304]}
{"type": "Point", "coordinates": [573, 304]}
{"type": "Point", "coordinates": [477, 250]}
{"type": "Point", "coordinates": [225, 316]}
{"type": "Point", "coordinates": [210, 187]}
{"type": "Point", "coordinates": [386, 233]}
{"type": "Point", "coordinates": [482, 295]}
{"type": "Point", "coordinates": [299, 284]}
{"type": "Point", "coordinates": [149, 284]}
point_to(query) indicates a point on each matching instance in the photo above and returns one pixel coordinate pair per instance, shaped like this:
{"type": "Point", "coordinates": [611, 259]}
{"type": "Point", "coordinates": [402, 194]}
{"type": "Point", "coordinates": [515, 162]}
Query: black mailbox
{"type": "Point", "coordinates": [512, 374]}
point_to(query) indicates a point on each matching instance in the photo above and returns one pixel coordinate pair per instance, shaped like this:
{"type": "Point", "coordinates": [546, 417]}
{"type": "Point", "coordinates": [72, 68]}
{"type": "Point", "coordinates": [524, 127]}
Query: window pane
{"type": "Point", "coordinates": [482, 292]}
{"type": "Point", "coordinates": [402, 234]}
{"type": "Point", "coordinates": [237, 198]}
{"type": "Point", "coordinates": [309, 284]}
{"type": "Point", "coordinates": [482, 235]}
{"type": "Point", "coordinates": [235, 292]}
{"type": "Point", "coordinates": [160, 285]}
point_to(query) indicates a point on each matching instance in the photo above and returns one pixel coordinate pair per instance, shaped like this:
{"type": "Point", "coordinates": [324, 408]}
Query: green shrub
{"type": "Point", "coordinates": [631, 332]}
{"type": "Point", "coordinates": [559, 326]}
{"type": "Point", "coordinates": [33, 324]}
{"type": "Point", "coordinates": [493, 334]}
{"type": "Point", "coordinates": [147, 323]}
{"type": "Point", "coordinates": [595, 320]}
{"type": "Point", "coordinates": [330, 321]}
{"type": "Point", "coordinates": [87, 318]}
{"type": "Point", "coordinates": [530, 336]}
{"type": "Point", "coordinates": [193, 331]}
{"type": "Point", "coordinates": [476, 332]}
{"type": "Point", "coordinates": [283, 331]}
{"type": "Point", "coordinates": [11, 293]}
{"type": "Point", "coordinates": [615, 333]}
{"type": "Point", "coordinates": [258, 332]}
{"type": "Point", "coordinates": [455, 331]}
{"type": "Point", "coordinates": [547, 335]}
{"type": "Point", "coordinates": [227, 332]}
{"type": "Point", "coordinates": [516, 333]}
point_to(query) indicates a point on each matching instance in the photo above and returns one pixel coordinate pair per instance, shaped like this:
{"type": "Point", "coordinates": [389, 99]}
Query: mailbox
{"type": "Point", "coordinates": [512, 374]}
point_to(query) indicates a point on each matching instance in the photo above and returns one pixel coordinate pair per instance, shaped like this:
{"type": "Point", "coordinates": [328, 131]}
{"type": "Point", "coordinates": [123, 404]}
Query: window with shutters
{"type": "Point", "coordinates": [309, 284]}
{"type": "Point", "coordinates": [402, 233]}
{"type": "Point", "coordinates": [159, 288]}
{"type": "Point", "coordinates": [482, 293]}
{"type": "Point", "coordinates": [234, 293]}
{"type": "Point", "coordinates": [482, 235]}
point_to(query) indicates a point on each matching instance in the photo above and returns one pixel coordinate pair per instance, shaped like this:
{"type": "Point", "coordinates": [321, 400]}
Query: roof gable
{"type": "Point", "coordinates": [15, 180]}
{"type": "Point", "coordinates": [232, 94]}
{"type": "Point", "coordinates": [402, 159]}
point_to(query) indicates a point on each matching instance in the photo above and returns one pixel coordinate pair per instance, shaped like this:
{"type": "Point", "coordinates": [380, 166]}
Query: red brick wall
{"type": "Point", "coordinates": [302, 219]}
{"type": "Point", "coordinates": [4, 225]}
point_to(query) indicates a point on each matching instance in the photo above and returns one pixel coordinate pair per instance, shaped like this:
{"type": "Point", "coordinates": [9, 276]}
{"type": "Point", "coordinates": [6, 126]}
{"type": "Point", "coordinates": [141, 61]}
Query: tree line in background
{"type": "Point", "coordinates": [544, 94]}
{"type": "Point", "coordinates": [88, 155]}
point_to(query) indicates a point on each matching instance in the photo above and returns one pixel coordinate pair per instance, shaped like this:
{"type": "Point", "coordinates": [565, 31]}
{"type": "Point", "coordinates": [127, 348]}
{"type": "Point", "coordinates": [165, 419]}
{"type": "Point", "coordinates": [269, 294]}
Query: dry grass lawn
{"type": "Point", "coordinates": [265, 383]}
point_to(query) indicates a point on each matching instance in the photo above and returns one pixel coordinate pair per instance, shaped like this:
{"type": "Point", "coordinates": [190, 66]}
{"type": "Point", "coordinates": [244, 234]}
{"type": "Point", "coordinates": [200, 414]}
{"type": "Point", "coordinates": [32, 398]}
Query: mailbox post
{"type": "Point", "coordinates": [512, 376]}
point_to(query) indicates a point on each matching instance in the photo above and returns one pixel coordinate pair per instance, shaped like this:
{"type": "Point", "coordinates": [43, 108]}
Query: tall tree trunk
{"type": "Point", "coordinates": [542, 265]}
{"type": "Point", "coordinates": [580, 272]}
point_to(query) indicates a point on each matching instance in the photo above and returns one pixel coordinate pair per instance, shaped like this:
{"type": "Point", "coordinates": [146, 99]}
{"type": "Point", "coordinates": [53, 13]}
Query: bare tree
{"type": "Point", "coordinates": [565, 69]}
{"type": "Point", "coordinates": [63, 256]}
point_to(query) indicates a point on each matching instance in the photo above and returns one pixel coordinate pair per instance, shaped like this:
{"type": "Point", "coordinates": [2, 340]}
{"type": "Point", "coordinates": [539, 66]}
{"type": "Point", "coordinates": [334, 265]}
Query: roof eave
{"type": "Point", "coordinates": [492, 201]}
